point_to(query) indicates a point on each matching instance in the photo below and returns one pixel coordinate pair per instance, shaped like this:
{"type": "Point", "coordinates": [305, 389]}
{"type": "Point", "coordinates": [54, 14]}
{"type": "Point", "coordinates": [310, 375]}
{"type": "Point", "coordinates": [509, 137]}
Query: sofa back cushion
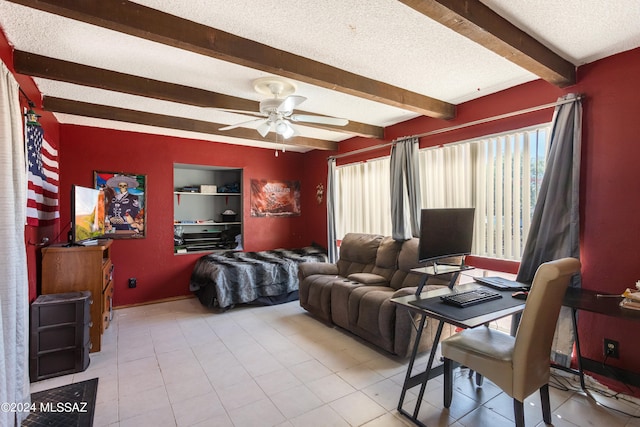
{"type": "Point", "coordinates": [358, 253]}
{"type": "Point", "coordinates": [387, 258]}
{"type": "Point", "coordinates": [408, 259]}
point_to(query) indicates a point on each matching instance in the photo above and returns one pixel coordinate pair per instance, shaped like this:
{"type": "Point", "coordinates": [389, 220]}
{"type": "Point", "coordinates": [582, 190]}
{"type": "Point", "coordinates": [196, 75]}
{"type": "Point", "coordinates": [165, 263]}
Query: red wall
{"type": "Point", "coordinates": [160, 273]}
{"type": "Point", "coordinates": [610, 187]}
{"type": "Point", "coordinates": [610, 197]}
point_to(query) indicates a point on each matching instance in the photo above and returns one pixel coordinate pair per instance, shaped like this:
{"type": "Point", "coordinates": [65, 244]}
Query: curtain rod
{"type": "Point", "coordinates": [29, 101]}
{"type": "Point", "coordinates": [464, 125]}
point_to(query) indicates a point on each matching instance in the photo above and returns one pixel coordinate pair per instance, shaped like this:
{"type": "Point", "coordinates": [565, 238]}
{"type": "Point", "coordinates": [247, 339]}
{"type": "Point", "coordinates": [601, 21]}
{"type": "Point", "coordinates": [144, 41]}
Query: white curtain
{"type": "Point", "coordinates": [14, 286]}
{"type": "Point", "coordinates": [363, 198]}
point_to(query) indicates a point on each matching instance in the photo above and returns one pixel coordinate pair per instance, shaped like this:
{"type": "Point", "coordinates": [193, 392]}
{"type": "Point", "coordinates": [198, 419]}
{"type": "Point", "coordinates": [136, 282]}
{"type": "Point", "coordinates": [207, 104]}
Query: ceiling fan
{"type": "Point", "coordinates": [277, 112]}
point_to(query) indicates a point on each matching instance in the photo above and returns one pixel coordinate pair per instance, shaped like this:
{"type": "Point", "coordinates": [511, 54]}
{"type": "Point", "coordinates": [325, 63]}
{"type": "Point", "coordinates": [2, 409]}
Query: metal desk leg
{"type": "Point", "coordinates": [423, 377]}
{"type": "Point", "coordinates": [574, 319]}
{"type": "Point", "coordinates": [432, 355]}
{"type": "Point", "coordinates": [412, 360]}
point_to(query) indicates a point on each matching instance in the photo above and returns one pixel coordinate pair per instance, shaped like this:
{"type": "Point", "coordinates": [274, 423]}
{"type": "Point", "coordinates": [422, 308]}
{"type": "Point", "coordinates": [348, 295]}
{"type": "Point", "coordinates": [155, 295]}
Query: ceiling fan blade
{"type": "Point", "coordinates": [264, 128]}
{"type": "Point", "coordinates": [240, 124]}
{"type": "Point", "coordinates": [290, 102]}
{"type": "Point", "coordinates": [323, 120]}
{"type": "Point", "coordinates": [245, 112]}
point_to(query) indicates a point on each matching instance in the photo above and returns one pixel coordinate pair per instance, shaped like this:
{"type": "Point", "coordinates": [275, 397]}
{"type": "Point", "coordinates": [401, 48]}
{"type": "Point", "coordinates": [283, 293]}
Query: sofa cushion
{"type": "Point", "coordinates": [408, 260]}
{"type": "Point", "coordinates": [358, 253]}
{"type": "Point", "coordinates": [315, 295]}
{"type": "Point", "coordinates": [387, 258]}
{"type": "Point", "coordinates": [340, 291]}
{"type": "Point", "coordinates": [355, 310]}
{"type": "Point", "coordinates": [369, 310]}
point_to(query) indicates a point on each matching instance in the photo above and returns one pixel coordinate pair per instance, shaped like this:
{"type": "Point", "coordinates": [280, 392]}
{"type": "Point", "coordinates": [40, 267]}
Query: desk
{"type": "Point", "coordinates": [587, 300]}
{"type": "Point", "coordinates": [422, 378]}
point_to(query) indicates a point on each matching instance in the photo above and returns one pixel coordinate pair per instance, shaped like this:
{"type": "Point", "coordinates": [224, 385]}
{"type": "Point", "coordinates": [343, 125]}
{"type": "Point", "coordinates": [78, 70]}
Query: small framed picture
{"type": "Point", "coordinates": [124, 199]}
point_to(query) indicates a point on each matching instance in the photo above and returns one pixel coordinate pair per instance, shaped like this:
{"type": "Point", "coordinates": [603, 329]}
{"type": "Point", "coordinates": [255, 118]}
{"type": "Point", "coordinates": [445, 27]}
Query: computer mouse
{"type": "Point", "coordinates": [520, 294]}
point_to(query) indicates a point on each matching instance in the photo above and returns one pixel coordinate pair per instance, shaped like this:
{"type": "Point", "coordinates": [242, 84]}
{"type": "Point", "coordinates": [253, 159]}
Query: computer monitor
{"type": "Point", "coordinates": [445, 233]}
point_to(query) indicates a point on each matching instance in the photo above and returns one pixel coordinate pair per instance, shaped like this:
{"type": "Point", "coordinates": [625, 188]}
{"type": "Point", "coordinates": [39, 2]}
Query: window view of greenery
{"type": "Point", "coordinates": [500, 175]}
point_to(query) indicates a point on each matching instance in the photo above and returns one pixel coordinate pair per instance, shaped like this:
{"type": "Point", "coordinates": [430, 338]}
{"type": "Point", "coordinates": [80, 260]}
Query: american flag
{"type": "Point", "coordinates": [42, 197]}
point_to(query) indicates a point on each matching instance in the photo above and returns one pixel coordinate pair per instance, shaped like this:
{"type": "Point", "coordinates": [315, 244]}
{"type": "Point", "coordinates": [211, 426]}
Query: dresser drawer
{"type": "Point", "coordinates": [107, 274]}
{"type": "Point", "coordinates": [107, 306]}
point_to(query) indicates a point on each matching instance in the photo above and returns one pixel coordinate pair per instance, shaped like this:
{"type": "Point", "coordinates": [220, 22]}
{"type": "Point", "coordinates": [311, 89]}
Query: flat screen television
{"type": "Point", "coordinates": [87, 214]}
{"type": "Point", "coordinates": [445, 233]}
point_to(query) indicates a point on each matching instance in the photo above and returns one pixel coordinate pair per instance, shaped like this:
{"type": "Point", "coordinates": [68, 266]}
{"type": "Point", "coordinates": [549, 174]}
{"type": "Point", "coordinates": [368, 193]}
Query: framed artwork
{"type": "Point", "coordinates": [124, 200]}
{"type": "Point", "coordinates": [275, 198]}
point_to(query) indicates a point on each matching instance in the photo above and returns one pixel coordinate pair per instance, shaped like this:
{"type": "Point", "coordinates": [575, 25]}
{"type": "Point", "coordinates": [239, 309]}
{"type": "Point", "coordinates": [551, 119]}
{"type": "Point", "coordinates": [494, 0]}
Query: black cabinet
{"type": "Point", "coordinates": [59, 337]}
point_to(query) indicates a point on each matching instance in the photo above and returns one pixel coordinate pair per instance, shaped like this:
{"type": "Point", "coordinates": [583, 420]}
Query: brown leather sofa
{"type": "Point", "coordinates": [355, 293]}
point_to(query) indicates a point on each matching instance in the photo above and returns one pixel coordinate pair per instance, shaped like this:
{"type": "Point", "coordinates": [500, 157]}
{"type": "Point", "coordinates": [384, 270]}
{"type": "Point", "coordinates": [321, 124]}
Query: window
{"type": "Point", "coordinates": [499, 175]}
{"type": "Point", "coordinates": [363, 201]}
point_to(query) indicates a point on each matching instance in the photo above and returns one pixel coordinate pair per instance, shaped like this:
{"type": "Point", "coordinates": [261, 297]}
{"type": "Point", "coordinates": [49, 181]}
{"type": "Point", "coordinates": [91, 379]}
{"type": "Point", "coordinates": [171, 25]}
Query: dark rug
{"type": "Point", "coordinates": [67, 406]}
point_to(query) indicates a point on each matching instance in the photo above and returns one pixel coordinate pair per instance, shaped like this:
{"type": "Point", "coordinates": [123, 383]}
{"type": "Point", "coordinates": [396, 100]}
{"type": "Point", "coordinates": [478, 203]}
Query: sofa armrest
{"type": "Point", "coordinates": [368, 279]}
{"type": "Point", "coordinates": [411, 290]}
{"type": "Point", "coordinates": [403, 292]}
{"type": "Point", "coordinates": [307, 269]}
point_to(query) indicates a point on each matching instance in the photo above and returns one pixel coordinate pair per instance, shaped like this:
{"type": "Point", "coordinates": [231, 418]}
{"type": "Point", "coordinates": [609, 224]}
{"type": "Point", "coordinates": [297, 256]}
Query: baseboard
{"type": "Point", "coordinates": [157, 301]}
{"type": "Point", "coordinates": [617, 374]}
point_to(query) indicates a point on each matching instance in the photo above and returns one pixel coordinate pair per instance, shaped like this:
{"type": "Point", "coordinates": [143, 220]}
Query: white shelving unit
{"type": "Point", "coordinates": [198, 216]}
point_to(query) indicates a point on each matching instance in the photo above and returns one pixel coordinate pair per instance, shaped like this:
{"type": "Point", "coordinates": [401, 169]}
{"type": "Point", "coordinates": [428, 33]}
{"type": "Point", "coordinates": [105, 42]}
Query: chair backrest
{"type": "Point", "coordinates": [534, 337]}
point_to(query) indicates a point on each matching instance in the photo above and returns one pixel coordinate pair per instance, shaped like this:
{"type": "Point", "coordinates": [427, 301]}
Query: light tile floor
{"type": "Point", "coordinates": [179, 364]}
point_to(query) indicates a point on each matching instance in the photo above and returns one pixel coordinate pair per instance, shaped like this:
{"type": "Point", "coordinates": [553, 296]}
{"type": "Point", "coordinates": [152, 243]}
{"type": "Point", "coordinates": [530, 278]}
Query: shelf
{"type": "Point", "coordinates": [202, 239]}
{"type": "Point", "coordinates": [197, 193]}
{"type": "Point", "coordinates": [198, 215]}
{"type": "Point", "coordinates": [207, 223]}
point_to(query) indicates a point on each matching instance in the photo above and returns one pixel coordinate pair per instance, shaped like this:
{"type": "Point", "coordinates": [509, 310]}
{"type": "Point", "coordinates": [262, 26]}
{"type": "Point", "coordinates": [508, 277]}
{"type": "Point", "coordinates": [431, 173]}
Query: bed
{"type": "Point", "coordinates": [266, 278]}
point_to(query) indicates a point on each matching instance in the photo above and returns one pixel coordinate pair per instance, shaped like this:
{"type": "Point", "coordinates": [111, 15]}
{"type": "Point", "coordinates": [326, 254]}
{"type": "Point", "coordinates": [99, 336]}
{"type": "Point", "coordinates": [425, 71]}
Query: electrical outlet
{"type": "Point", "coordinates": [611, 349]}
{"type": "Point", "coordinates": [133, 282]}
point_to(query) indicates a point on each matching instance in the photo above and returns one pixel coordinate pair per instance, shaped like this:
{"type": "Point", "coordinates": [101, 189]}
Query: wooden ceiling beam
{"type": "Point", "coordinates": [55, 69]}
{"type": "Point", "coordinates": [141, 21]}
{"type": "Point", "coordinates": [85, 109]}
{"type": "Point", "coordinates": [478, 22]}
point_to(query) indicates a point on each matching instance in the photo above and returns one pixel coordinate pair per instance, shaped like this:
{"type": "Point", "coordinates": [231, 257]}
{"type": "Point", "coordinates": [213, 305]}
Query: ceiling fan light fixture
{"type": "Point", "coordinates": [278, 111]}
{"type": "Point", "coordinates": [284, 128]}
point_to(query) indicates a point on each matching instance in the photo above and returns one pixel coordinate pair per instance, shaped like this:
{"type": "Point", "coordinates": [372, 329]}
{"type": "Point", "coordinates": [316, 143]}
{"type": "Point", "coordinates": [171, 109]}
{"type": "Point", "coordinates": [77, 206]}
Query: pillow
{"type": "Point", "coordinates": [368, 279]}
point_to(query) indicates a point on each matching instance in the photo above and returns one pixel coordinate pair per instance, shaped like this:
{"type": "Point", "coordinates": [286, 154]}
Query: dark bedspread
{"type": "Point", "coordinates": [268, 277]}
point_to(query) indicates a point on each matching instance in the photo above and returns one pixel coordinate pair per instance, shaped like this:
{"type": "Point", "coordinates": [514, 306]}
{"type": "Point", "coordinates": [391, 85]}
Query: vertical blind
{"type": "Point", "coordinates": [498, 175]}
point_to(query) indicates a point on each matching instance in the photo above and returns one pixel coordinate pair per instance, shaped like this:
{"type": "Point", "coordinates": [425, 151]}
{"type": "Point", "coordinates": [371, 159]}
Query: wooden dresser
{"type": "Point", "coordinates": [82, 268]}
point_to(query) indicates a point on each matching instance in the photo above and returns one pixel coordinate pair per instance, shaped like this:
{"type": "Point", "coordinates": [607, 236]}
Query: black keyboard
{"type": "Point", "coordinates": [467, 298]}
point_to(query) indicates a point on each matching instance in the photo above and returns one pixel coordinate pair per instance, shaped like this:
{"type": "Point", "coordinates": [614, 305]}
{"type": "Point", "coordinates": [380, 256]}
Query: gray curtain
{"type": "Point", "coordinates": [405, 190]}
{"type": "Point", "coordinates": [555, 225]}
{"type": "Point", "coordinates": [331, 214]}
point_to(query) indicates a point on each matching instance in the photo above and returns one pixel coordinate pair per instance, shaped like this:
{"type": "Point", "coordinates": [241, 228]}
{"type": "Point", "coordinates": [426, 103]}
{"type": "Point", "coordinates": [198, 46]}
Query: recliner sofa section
{"type": "Point", "coordinates": [356, 292]}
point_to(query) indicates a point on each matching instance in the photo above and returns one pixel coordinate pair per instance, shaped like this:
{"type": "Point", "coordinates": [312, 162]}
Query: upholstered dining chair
{"type": "Point", "coordinates": [519, 365]}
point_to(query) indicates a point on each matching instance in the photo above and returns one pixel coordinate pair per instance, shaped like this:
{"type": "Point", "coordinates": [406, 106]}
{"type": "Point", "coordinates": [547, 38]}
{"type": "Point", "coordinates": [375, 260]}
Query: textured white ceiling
{"type": "Point", "coordinates": [380, 39]}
